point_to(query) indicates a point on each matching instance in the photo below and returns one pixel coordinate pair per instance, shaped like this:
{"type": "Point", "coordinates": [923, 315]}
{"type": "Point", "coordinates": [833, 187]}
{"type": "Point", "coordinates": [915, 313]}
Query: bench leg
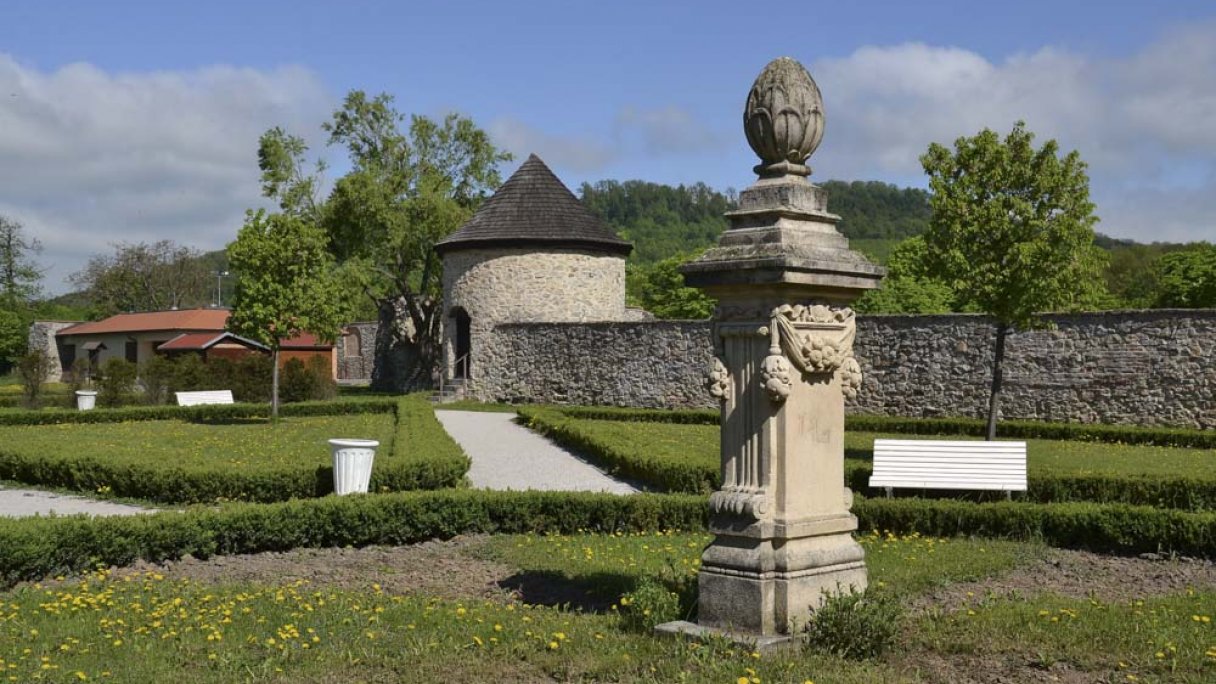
{"type": "Point", "coordinates": [889, 491]}
{"type": "Point", "coordinates": [1009, 495]}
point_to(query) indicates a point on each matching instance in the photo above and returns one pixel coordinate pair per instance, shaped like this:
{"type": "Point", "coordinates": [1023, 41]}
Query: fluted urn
{"type": "Point", "coordinates": [783, 119]}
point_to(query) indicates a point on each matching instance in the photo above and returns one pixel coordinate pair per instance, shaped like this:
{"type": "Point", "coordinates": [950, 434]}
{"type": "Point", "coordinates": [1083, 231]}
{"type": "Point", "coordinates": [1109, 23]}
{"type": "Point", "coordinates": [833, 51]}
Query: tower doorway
{"type": "Point", "coordinates": [464, 343]}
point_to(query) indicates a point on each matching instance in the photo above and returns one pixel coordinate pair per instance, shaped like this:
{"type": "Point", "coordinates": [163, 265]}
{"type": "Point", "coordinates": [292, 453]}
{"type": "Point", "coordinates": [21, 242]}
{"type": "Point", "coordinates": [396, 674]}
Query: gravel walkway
{"type": "Point", "coordinates": [509, 456]}
{"type": "Point", "coordinates": [22, 503]}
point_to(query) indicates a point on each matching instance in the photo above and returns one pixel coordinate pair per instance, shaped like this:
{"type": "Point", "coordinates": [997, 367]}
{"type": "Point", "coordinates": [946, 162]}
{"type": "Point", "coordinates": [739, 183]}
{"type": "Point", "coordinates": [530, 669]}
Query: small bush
{"type": "Point", "coordinates": [33, 369]}
{"type": "Point", "coordinates": [855, 625]}
{"type": "Point", "coordinates": [156, 376]}
{"type": "Point", "coordinates": [296, 383]}
{"type": "Point", "coordinates": [326, 387]}
{"type": "Point", "coordinates": [116, 382]}
{"type": "Point", "coordinates": [190, 374]}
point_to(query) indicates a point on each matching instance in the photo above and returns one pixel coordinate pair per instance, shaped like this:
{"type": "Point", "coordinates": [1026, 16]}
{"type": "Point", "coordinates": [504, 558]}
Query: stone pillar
{"type": "Point", "coordinates": [783, 336]}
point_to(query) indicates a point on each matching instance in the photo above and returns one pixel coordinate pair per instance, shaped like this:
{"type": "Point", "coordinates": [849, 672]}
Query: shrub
{"type": "Point", "coordinates": [250, 378]}
{"type": "Point", "coordinates": [116, 382]}
{"type": "Point", "coordinates": [855, 625]}
{"type": "Point", "coordinates": [326, 387]}
{"type": "Point", "coordinates": [39, 547]}
{"type": "Point", "coordinates": [156, 376]}
{"type": "Point", "coordinates": [296, 383]}
{"type": "Point", "coordinates": [33, 369]}
{"type": "Point", "coordinates": [190, 373]}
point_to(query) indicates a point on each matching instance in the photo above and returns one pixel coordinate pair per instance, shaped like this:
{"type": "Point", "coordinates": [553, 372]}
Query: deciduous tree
{"type": "Point", "coordinates": [1011, 232]}
{"type": "Point", "coordinates": [285, 286]}
{"type": "Point", "coordinates": [1187, 279]}
{"type": "Point", "coordinates": [146, 277]}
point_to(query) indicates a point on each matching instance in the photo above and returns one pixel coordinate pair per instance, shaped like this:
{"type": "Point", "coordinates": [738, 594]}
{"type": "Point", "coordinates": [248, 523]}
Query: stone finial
{"type": "Point", "coordinates": [783, 119]}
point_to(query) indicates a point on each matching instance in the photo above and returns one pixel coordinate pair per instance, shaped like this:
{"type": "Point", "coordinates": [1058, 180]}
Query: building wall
{"type": "Point", "coordinates": [1140, 367]}
{"type": "Point", "coordinates": [355, 351]}
{"type": "Point", "coordinates": [42, 336]}
{"type": "Point", "coordinates": [520, 285]}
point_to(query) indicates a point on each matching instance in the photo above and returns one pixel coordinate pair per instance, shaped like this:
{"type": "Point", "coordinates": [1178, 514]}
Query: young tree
{"type": "Point", "coordinates": [20, 276]}
{"type": "Point", "coordinates": [285, 286]}
{"type": "Point", "coordinates": [1011, 232]}
{"type": "Point", "coordinates": [406, 191]}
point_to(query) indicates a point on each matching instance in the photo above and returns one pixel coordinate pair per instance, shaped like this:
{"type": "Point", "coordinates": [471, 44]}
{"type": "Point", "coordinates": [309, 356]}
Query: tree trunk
{"type": "Point", "coordinates": [994, 399]}
{"type": "Point", "coordinates": [274, 385]}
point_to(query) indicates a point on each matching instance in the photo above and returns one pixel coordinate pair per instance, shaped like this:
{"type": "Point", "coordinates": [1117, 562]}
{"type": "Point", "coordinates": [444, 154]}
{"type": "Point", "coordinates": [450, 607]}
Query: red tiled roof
{"type": "Point", "coordinates": [202, 341]}
{"type": "Point", "coordinates": [184, 319]}
{"type": "Point", "coordinates": [192, 320]}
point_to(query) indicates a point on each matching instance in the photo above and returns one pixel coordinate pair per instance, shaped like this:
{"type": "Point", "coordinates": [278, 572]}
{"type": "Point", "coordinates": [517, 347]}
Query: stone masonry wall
{"type": "Point", "coordinates": [520, 285]}
{"type": "Point", "coordinates": [356, 363]}
{"type": "Point", "coordinates": [1148, 367]}
{"type": "Point", "coordinates": [42, 336]}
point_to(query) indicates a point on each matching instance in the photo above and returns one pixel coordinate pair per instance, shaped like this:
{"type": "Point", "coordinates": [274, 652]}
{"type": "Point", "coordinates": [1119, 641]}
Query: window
{"type": "Point", "coordinates": [132, 351]}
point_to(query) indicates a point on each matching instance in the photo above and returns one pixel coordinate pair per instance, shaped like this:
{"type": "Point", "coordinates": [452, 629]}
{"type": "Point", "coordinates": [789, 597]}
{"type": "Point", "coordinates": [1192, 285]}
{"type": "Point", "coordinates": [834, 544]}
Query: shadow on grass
{"type": "Point", "coordinates": [593, 593]}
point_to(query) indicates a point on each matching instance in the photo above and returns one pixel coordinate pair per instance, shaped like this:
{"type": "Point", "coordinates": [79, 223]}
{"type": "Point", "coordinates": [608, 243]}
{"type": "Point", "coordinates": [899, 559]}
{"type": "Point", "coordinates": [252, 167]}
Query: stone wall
{"type": "Point", "coordinates": [1148, 367]}
{"type": "Point", "coordinates": [42, 336]}
{"type": "Point", "coordinates": [647, 363]}
{"type": "Point", "coordinates": [356, 350]}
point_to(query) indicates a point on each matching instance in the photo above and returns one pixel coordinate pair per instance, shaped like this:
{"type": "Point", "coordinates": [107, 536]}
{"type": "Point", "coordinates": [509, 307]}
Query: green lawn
{"type": "Point", "coordinates": [146, 627]}
{"type": "Point", "coordinates": [697, 445]}
{"type": "Point", "coordinates": [243, 446]}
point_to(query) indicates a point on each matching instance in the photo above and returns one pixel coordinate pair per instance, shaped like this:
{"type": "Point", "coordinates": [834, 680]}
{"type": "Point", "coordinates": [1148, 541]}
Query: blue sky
{"type": "Point", "coordinates": [138, 120]}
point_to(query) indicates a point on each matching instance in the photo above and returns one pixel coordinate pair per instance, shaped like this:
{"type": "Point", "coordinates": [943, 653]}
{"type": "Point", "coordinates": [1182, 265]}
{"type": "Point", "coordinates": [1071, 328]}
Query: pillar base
{"type": "Point", "coordinates": [761, 644]}
{"type": "Point", "coordinates": [765, 587]}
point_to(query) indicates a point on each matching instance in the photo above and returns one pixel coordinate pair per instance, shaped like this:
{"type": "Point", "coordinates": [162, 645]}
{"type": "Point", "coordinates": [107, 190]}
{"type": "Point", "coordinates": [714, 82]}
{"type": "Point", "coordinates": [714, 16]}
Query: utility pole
{"type": "Point", "coordinates": [219, 280]}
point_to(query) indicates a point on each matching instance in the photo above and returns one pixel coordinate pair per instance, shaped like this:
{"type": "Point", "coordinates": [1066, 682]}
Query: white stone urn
{"type": "Point", "coordinates": [352, 464]}
{"type": "Point", "coordinates": [86, 400]}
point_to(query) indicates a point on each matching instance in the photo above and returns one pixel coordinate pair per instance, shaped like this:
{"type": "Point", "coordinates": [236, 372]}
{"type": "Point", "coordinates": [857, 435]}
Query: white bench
{"type": "Point", "coordinates": [940, 464]}
{"type": "Point", "coordinates": [209, 397]}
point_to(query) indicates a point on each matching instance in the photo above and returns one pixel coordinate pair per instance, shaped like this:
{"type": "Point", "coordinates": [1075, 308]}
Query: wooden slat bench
{"type": "Point", "coordinates": [941, 464]}
{"type": "Point", "coordinates": [208, 397]}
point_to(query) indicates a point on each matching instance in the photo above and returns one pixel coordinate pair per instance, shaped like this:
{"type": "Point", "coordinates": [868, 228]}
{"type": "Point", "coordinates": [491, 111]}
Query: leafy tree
{"type": "Point", "coordinates": [20, 276]}
{"type": "Point", "coordinates": [285, 287]}
{"type": "Point", "coordinates": [659, 288]}
{"type": "Point", "coordinates": [909, 286]}
{"type": "Point", "coordinates": [406, 190]}
{"type": "Point", "coordinates": [116, 381]}
{"type": "Point", "coordinates": [1012, 232]}
{"type": "Point", "coordinates": [1187, 279]}
{"type": "Point", "coordinates": [146, 277]}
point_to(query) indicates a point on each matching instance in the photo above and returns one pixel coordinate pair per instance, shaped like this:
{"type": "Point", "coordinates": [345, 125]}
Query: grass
{"type": "Point", "coordinates": [242, 446]}
{"type": "Point", "coordinates": [648, 450]}
{"type": "Point", "coordinates": [143, 627]}
{"type": "Point", "coordinates": [177, 461]}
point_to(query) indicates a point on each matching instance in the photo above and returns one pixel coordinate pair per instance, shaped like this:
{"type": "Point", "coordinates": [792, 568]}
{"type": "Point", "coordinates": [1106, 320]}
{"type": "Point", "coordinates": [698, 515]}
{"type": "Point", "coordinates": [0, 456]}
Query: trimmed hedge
{"type": "Point", "coordinates": [1113, 434]}
{"type": "Point", "coordinates": [208, 413]}
{"type": "Point", "coordinates": [421, 456]}
{"type": "Point", "coordinates": [1104, 528]}
{"type": "Point", "coordinates": [39, 547]}
{"type": "Point", "coordinates": [658, 472]}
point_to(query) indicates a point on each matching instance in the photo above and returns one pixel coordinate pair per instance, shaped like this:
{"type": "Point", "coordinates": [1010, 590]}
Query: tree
{"type": "Point", "coordinates": [33, 370]}
{"type": "Point", "coordinates": [1011, 232]}
{"type": "Point", "coordinates": [285, 286]}
{"type": "Point", "coordinates": [405, 192]}
{"type": "Point", "coordinates": [20, 277]}
{"type": "Point", "coordinates": [146, 277]}
{"type": "Point", "coordinates": [909, 287]}
{"type": "Point", "coordinates": [660, 289]}
{"type": "Point", "coordinates": [1187, 279]}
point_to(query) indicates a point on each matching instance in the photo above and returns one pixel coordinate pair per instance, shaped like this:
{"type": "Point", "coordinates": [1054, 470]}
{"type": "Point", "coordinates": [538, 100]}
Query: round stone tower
{"type": "Point", "coordinates": [531, 253]}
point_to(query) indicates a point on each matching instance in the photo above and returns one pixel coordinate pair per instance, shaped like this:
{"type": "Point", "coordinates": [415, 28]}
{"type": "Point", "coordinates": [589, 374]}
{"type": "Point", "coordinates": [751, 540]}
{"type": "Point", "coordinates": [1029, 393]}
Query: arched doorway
{"type": "Point", "coordinates": [464, 343]}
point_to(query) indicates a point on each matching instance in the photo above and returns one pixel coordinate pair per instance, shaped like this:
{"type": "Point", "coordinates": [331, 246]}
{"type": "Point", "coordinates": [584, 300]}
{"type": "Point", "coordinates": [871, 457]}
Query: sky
{"type": "Point", "coordinates": [138, 121]}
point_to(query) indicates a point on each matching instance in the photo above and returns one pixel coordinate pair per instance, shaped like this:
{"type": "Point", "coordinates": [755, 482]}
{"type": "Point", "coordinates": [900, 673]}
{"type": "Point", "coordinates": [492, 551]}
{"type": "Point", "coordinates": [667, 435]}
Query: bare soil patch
{"type": "Point", "coordinates": [1081, 574]}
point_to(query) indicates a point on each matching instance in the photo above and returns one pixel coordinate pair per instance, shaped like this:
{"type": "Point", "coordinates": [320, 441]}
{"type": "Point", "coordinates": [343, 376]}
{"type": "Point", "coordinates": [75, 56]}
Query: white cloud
{"type": "Point", "coordinates": [1145, 123]}
{"type": "Point", "coordinates": [88, 158]}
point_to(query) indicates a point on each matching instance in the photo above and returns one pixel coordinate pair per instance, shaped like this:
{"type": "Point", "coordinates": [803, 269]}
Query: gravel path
{"type": "Point", "coordinates": [509, 456]}
{"type": "Point", "coordinates": [22, 503]}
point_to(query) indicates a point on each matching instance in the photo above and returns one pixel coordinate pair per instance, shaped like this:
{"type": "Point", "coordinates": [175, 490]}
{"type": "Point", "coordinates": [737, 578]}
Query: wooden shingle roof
{"type": "Point", "coordinates": [534, 208]}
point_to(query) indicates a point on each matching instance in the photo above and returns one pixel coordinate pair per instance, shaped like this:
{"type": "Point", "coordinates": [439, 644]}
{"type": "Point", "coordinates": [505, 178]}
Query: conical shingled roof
{"type": "Point", "coordinates": [534, 208]}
